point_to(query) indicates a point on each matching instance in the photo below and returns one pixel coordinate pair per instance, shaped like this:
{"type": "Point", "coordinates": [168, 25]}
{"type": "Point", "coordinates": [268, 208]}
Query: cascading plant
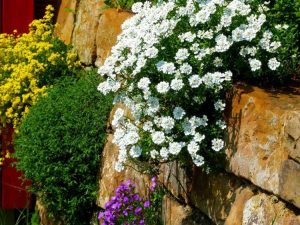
{"type": "Point", "coordinates": [171, 67]}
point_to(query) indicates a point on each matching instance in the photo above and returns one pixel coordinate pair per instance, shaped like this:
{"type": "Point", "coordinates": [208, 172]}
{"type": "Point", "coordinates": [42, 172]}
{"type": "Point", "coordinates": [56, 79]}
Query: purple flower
{"type": "Point", "coordinates": [125, 213]}
{"type": "Point", "coordinates": [147, 204]}
{"type": "Point", "coordinates": [153, 183]}
{"type": "Point", "coordinates": [136, 197]}
{"type": "Point", "coordinates": [138, 211]}
{"type": "Point", "coordinates": [121, 207]}
{"type": "Point", "coordinates": [100, 215]}
{"type": "Point", "coordinates": [126, 200]}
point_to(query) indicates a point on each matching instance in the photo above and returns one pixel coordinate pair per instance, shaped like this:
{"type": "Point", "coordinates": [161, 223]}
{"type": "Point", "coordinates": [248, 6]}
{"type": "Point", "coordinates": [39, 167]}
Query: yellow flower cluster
{"type": "Point", "coordinates": [25, 61]}
{"type": "Point", "coordinates": [28, 65]}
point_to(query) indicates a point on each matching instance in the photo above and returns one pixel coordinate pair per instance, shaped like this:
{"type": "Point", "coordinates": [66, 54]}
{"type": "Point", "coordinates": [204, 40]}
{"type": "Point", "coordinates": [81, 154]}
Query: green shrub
{"type": "Point", "coordinates": [59, 146]}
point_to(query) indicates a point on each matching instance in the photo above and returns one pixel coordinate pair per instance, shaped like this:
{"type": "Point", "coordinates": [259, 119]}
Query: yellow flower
{"type": "Point", "coordinates": [24, 61]}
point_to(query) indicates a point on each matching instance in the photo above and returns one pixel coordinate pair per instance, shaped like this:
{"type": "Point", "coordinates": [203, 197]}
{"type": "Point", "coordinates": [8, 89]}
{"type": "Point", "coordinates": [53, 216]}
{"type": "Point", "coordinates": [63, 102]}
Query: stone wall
{"type": "Point", "coordinates": [261, 184]}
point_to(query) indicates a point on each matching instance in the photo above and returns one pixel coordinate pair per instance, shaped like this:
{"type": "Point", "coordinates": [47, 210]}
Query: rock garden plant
{"type": "Point", "coordinates": [29, 64]}
{"type": "Point", "coordinates": [129, 208]}
{"type": "Point", "coordinates": [59, 145]}
{"type": "Point", "coordinates": [172, 66]}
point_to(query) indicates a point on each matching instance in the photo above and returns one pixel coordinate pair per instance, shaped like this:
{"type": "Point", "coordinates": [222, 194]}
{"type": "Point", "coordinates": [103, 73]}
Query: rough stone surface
{"type": "Point", "coordinates": [292, 136]}
{"type": "Point", "coordinates": [265, 210]}
{"type": "Point", "coordinates": [289, 182]}
{"type": "Point", "coordinates": [110, 179]}
{"type": "Point", "coordinates": [242, 195]}
{"type": "Point", "coordinates": [222, 197]}
{"type": "Point", "coordinates": [215, 194]}
{"type": "Point", "coordinates": [84, 35]}
{"type": "Point", "coordinates": [263, 127]}
{"type": "Point", "coordinates": [108, 29]}
{"type": "Point", "coordinates": [176, 214]}
{"type": "Point", "coordinates": [66, 19]}
{"type": "Point", "coordinates": [175, 178]}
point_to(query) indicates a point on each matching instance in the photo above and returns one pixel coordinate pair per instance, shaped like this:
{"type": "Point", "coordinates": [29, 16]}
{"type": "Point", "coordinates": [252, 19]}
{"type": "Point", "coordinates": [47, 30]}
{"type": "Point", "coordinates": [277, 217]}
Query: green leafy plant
{"type": "Point", "coordinates": [59, 146]}
{"type": "Point", "coordinates": [35, 219]}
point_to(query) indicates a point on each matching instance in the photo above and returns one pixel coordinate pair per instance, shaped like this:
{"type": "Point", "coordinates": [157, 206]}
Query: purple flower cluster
{"type": "Point", "coordinates": [126, 207]}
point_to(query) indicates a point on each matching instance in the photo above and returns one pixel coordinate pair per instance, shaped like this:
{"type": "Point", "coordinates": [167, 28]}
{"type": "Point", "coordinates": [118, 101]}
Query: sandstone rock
{"type": "Point", "coordinates": [66, 19]}
{"type": "Point", "coordinates": [242, 195]}
{"type": "Point", "coordinates": [176, 214]}
{"type": "Point", "coordinates": [289, 183]}
{"type": "Point", "coordinates": [108, 29]}
{"type": "Point", "coordinates": [215, 195]}
{"type": "Point", "coordinates": [84, 34]}
{"type": "Point", "coordinates": [110, 179]}
{"type": "Point", "coordinates": [222, 197]}
{"type": "Point", "coordinates": [265, 210]}
{"type": "Point", "coordinates": [175, 178]}
{"type": "Point", "coordinates": [292, 136]}
{"type": "Point", "coordinates": [262, 125]}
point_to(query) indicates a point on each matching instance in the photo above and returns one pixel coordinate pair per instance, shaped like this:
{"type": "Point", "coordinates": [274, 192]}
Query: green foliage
{"type": "Point", "coordinates": [35, 219]}
{"type": "Point", "coordinates": [280, 13]}
{"type": "Point", "coordinates": [59, 146]}
{"type": "Point", "coordinates": [153, 214]}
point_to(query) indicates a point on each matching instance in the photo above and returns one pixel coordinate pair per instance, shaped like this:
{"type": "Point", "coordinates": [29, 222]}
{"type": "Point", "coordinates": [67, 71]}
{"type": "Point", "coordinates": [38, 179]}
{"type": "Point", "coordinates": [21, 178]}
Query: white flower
{"type": "Point", "coordinates": [193, 147]}
{"type": "Point", "coordinates": [167, 68]}
{"type": "Point", "coordinates": [255, 64]}
{"type": "Point", "coordinates": [217, 144]}
{"type": "Point", "coordinates": [154, 154]}
{"type": "Point", "coordinates": [132, 137]}
{"type": "Point", "coordinates": [162, 87]}
{"type": "Point", "coordinates": [137, 7]}
{"type": "Point", "coordinates": [167, 122]}
{"type": "Point", "coordinates": [188, 36]}
{"type": "Point", "coordinates": [178, 113]}
{"type": "Point", "coordinates": [274, 46]}
{"type": "Point", "coordinates": [273, 64]}
{"type": "Point", "coordinates": [226, 20]}
{"type": "Point", "coordinates": [148, 126]}
{"type": "Point", "coordinates": [153, 105]}
{"type": "Point", "coordinates": [164, 153]}
{"type": "Point", "coordinates": [198, 160]}
{"type": "Point", "coordinates": [218, 62]}
{"type": "Point", "coordinates": [105, 87]}
{"type": "Point", "coordinates": [222, 43]}
{"type": "Point", "coordinates": [280, 27]}
{"type": "Point", "coordinates": [182, 54]}
{"type": "Point", "coordinates": [158, 137]}
{"type": "Point", "coordinates": [187, 127]}
{"type": "Point", "coordinates": [135, 151]}
{"type": "Point", "coordinates": [118, 135]}
{"type": "Point", "coordinates": [199, 137]}
{"type": "Point", "coordinates": [176, 84]}
{"type": "Point", "coordinates": [151, 52]}
{"type": "Point", "coordinates": [219, 105]}
{"type": "Point", "coordinates": [119, 113]}
{"type": "Point", "coordinates": [195, 48]}
{"type": "Point", "coordinates": [186, 68]}
{"type": "Point", "coordinates": [195, 81]}
{"type": "Point", "coordinates": [221, 124]}
{"type": "Point", "coordinates": [143, 83]}
{"type": "Point", "coordinates": [175, 148]}
{"type": "Point", "coordinates": [119, 166]}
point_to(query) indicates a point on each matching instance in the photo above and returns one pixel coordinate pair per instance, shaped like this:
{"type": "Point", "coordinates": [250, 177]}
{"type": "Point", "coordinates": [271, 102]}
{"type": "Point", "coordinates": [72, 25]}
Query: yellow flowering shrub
{"type": "Point", "coordinates": [29, 63]}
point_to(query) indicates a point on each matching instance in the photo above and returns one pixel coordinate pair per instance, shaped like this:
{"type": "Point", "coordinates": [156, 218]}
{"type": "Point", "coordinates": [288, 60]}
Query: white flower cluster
{"type": "Point", "coordinates": [165, 88]}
